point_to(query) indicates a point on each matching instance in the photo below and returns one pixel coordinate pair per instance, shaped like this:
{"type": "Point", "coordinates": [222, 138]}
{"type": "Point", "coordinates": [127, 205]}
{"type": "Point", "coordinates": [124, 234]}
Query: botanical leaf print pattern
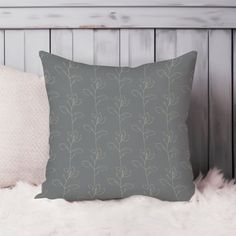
{"type": "Point", "coordinates": [97, 119]}
{"type": "Point", "coordinates": [122, 172]}
{"type": "Point", "coordinates": [117, 132]}
{"type": "Point", "coordinates": [168, 141]}
{"type": "Point", "coordinates": [70, 147]}
{"type": "Point", "coordinates": [145, 120]}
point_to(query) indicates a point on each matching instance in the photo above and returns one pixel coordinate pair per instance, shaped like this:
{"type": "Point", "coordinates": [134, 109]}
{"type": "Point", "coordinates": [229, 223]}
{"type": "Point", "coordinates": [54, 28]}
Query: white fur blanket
{"type": "Point", "coordinates": [211, 212]}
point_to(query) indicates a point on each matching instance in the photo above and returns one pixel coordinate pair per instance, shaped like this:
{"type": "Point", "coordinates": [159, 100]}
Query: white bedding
{"type": "Point", "coordinates": [211, 212]}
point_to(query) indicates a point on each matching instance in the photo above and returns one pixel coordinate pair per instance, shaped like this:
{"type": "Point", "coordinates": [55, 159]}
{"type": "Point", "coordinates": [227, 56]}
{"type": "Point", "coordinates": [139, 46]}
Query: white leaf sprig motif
{"type": "Point", "coordinates": [97, 120]}
{"type": "Point", "coordinates": [121, 136]}
{"type": "Point", "coordinates": [169, 136]}
{"type": "Point", "coordinates": [73, 138]}
{"type": "Point", "coordinates": [145, 119]}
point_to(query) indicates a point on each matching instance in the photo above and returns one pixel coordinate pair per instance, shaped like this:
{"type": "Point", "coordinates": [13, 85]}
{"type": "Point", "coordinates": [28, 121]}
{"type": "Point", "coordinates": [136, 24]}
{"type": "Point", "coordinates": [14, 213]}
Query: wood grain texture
{"type": "Point", "coordinates": [118, 17]}
{"type": "Point", "coordinates": [137, 47]}
{"type": "Point", "coordinates": [234, 102]}
{"type": "Point", "coordinates": [166, 43]}
{"type": "Point", "coordinates": [66, 3]}
{"type": "Point", "coordinates": [35, 40]}
{"type": "Point", "coordinates": [22, 49]}
{"type": "Point", "coordinates": [220, 95]}
{"type": "Point", "coordinates": [76, 44]}
{"type": "Point", "coordinates": [124, 47]}
{"type": "Point", "coordinates": [83, 45]}
{"type": "Point", "coordinates": [15, 49]}
{"type": "Point", "coordinates": [188, 40]}
{"type": "Point", "coordinates": [62, 43]}
{"type": "Point", "coordinates": [2, 47]}
{"type": "Point", "coordinates": [106, 47]}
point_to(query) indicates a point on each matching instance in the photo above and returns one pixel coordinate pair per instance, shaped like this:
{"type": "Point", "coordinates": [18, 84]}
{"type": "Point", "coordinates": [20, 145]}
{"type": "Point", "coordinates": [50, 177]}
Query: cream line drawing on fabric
{"type": "Point", "coordinates": [169, 140]}
{"type": "Point", "coordinates": [53, 120]}
{"type": "Point", "coordinates": [73, 136]}
{"type": "Point", "coordinates": [121, 136]}
{"type": "Point", "coordinates": [146, 154]}
{"type": "Point", "coordinates": [97, 154]}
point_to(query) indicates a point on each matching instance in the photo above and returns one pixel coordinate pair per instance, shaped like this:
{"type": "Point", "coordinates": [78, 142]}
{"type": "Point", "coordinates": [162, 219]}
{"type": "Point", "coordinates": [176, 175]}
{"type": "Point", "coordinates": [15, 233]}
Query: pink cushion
{"type": "Point", "coordinates": [24, 127]}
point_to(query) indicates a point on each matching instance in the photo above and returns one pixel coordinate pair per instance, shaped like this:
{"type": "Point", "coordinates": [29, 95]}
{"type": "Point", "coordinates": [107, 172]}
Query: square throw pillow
{"type": "Point", "coordinates": [24, 127]}
{"type": "Point", "coordinates": [117, 132]}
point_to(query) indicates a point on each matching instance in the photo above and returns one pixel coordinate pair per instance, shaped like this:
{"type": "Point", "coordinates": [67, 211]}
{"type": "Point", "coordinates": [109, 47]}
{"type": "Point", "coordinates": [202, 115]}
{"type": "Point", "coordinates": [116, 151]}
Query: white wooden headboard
{"type": "Point", "coordinates": [128, 32]}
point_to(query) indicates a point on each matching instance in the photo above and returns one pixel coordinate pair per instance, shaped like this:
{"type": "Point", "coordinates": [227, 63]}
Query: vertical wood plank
{"type": "Point", "coordinates": [22, 49]}
{"type": "Point", "coordinates": [220, 82]}
{"type": "Point", "coordinates": [2, 49]}
{"type": "Point", "coordinates": [35, 40]}
{"type": "Point", "coordinates": [124, 47]}
{"type": "Point", "coordinates": [83, 45]}
{"type": "Point", "coordinates": [106, 44]}
{"type": "Point", "coordinates": [15, 49]}
{"type": "Point", "coordinates": [139, 43]}
{"type": "Point", "coordinates": [166, 41]}
{"type": "Point", "coordinates": [62, 43]}
{"type": "Point", "coordinates": [234, 101]}
{"type": "Point", "coordinates": [188, 40]}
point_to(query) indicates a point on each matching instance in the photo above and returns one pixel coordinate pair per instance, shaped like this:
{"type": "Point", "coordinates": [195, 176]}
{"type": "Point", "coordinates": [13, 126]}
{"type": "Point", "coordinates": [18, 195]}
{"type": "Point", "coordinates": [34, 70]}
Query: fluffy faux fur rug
{"type": "Point", "coordinates": [211, 212]}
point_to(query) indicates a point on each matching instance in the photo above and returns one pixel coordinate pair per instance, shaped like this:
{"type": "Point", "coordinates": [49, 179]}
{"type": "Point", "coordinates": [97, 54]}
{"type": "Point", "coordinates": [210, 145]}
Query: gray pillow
{"type": "Point", "coordinates": [118, 131]}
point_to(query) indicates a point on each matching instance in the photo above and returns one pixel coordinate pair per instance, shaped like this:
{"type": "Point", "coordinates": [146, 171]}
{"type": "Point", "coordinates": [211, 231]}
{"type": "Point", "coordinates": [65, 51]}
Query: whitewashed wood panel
{"type": "Point", "coordinates": [118, 17]}
{"type": "Point", "coordinates": [76, 44]}
{"type": "Point", "coordinates": [188, 40]}
{"type": "Point", "coordinates": [35, 41]}
{"type": "Point", "coordinates": [15, 49]}
{"type": "Point", "coordinates": [106, 47]}
{"type": "Point", "coordinates": [124, 47]}
{"type": "Point", "coordinates": [137, 46]}
{"type": "Point", "coordinates": [83, 45]}
{"type": "Point", "coordinates": [234, 102]}
{"type": "Point", "coordinates": [2, 49]}
{"type": "Point", "coordinates": [94, 3]}
{"type": "Point", "coordinates": [22, 49]}
{"type": "Point", "coordinates": [220, 82]}
{"type": "Point", "coordinates": [166, 43]}
{"type": "Point", "coordinates": [62, 43]}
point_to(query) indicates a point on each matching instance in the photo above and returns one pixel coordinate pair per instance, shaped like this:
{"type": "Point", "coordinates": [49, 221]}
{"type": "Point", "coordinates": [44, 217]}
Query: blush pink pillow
{"type": "Point", "coordinates": [24, 127]}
